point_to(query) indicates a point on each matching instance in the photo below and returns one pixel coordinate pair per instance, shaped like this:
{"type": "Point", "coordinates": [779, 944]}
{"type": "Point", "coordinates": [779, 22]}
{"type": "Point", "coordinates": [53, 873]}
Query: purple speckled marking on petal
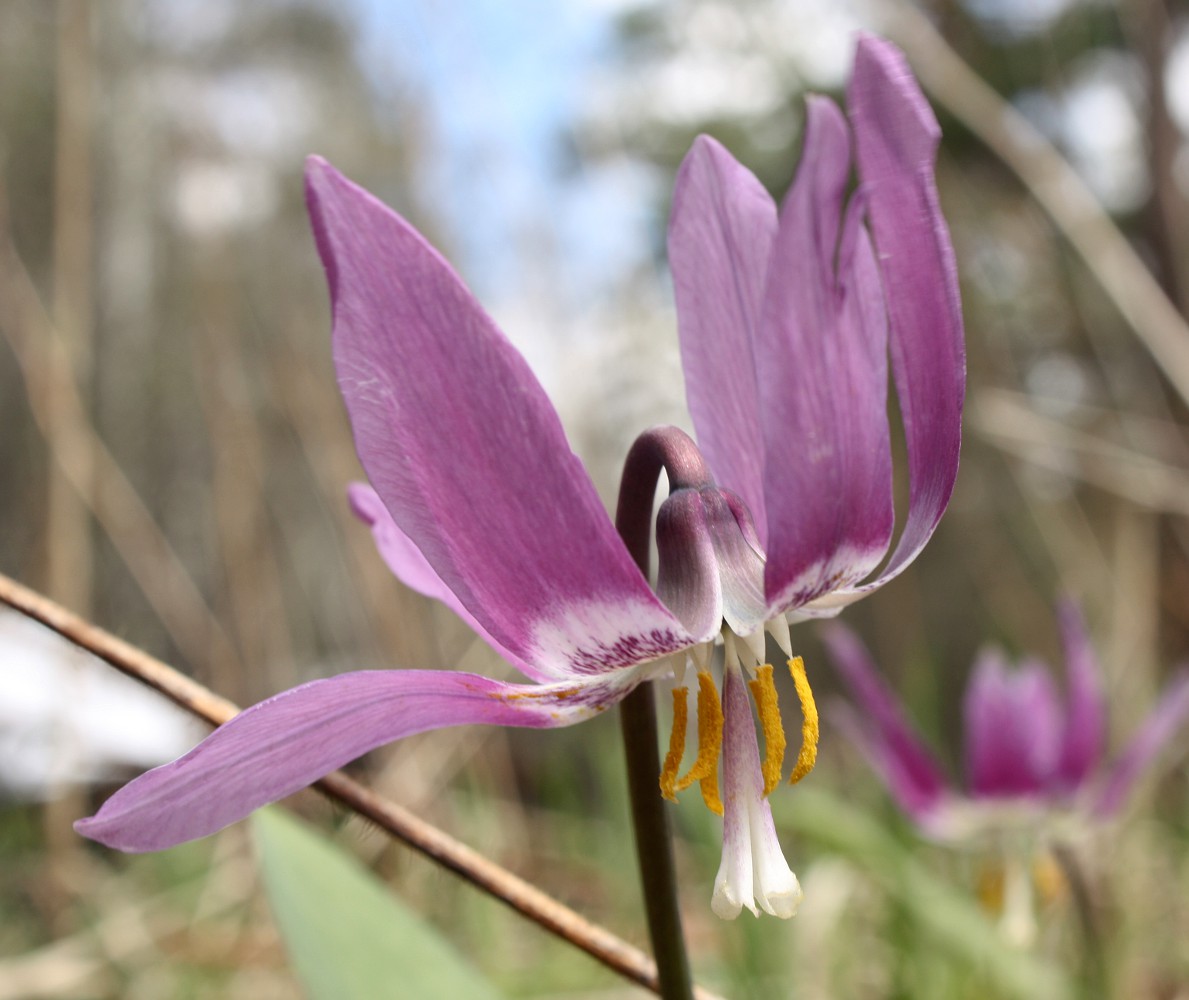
{"type": "Point", "coordinates": [283, 744]}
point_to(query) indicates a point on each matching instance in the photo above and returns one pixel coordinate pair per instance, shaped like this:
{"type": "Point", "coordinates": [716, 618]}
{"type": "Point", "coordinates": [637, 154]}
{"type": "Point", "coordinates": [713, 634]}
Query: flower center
{"type": "Point", "coordinates": [710, 725]}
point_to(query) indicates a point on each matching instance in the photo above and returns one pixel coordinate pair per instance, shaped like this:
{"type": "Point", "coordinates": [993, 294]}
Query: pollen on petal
{"type": "Point", "coordinates": [710, 719]}
{"type": "Point", "coordinates": [810, 729]}
{"type": "Point", "coordinates": [676, 743]}
{"type": "Point", "coordinates": [763, 690]}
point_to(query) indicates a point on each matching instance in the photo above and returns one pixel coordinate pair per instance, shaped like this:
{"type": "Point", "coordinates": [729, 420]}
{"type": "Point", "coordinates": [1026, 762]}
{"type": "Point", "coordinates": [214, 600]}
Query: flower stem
{"type": "Point", "coordinates": [654, 843]}
{"type": "Point", "coordinates": [673, 451]}
{"type": "Point", "coordinates": [1094, 969]}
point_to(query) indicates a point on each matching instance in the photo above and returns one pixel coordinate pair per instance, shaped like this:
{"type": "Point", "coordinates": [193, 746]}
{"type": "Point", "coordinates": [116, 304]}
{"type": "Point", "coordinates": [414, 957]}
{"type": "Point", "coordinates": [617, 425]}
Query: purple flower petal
{"type": "Point", "coordinates": [896, 138]}
{"type": "Point", "coordinates": [409, 566]}
{"type": "Point", "coordinates": [720, 237]}
{"type": "Point", "coordinates": [1013, 728]}
{"type": "Point", "coordinates": [880, 729]}
{"type": "Point", "coordinates": [709, 566]}
{"type": "Point", "coordinates": [1085, 716]}
{"type": "Point", "coordinates": [467, 453]}
{"type": "Point", "coordinates": [283, 744]}
{"type": "Point", "coordinates": [687, 567]}
{"type": "Point", "coordinates": [823, 383]}
{"type": "Point", "coordinates": [1170, 714]}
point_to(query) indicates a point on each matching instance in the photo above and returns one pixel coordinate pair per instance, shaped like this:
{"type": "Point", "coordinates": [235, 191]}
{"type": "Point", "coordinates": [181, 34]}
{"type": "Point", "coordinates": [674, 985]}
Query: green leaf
{"type": "Point", "coordinates": [348, 936]}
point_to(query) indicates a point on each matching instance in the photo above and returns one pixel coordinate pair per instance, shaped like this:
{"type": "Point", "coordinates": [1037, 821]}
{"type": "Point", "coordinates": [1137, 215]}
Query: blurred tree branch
{"type": "Point", "coordinates": [1055, 185]}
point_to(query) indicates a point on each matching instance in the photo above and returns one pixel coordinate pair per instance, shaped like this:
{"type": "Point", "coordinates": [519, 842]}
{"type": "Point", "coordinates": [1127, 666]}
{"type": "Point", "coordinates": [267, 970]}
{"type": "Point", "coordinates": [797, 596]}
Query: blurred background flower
{"type": "Point", "coordinates": [1030, 751]}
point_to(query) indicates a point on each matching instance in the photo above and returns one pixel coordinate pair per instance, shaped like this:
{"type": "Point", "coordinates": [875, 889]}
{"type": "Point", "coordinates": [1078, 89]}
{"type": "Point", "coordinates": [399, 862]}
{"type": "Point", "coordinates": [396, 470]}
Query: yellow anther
{"type": "Point", "coordinates": [809, 723]}
{"type": "Point", "coordinates": [676, 743]}
{"type": "Point", "coordinates": [990, 887]}
{"type": "Point", "coordinates": [763, 690]}
{"type": "Point", "coordinates": [709, 787]}
{"type": "Point", "coordinates": [1049, 879]}
{"type": "Point", "coordinates": [705, 769]}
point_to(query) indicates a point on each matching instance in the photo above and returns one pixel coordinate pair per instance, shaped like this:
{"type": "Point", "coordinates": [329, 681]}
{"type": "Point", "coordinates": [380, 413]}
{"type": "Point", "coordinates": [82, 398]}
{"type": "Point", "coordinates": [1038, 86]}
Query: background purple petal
{"type": "Point", "coordinates": [721, 229]}
{"type": "Point", "coordinates": [289, 741]}
{"type": "Point", "coordinates": [1167, 719]}
{"type": "Point", "coordinates": [1085, 713]}
{"type": "Point", "coordinates": [1013, 726]}
{"type": "Point", "coordinates": [822, 355]}
{"type": "Point", "coordinates": [468, 455]}
{"type": "Point", "coordinates": [879, 728]}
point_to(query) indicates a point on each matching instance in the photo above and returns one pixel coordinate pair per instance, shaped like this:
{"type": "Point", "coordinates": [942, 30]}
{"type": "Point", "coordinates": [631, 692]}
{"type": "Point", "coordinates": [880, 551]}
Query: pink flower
{"type": "Point", "coordinates": [786, 322]}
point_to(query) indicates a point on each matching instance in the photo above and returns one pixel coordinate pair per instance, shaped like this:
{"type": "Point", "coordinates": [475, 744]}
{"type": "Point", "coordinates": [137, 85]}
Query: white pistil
{"type": "Point", "coordinates": [1018, 923]}
{"type": "Point", "coordinates": [753, 872]}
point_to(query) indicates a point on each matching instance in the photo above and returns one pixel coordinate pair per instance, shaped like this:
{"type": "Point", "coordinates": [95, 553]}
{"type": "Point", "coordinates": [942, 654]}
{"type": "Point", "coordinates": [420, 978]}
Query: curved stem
{"type": "Point", "coordinates": [672, 450]}
{"type": "Point", "coordinates": [666, 448]}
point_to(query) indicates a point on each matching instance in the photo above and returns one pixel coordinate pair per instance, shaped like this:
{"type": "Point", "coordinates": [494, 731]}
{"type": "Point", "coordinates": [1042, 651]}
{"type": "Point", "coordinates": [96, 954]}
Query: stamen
{"type": "Point", "coordinates": [705, 769]}
{"type": "Point", "coordinates": [676, 744]}
{"type": "Point", "coordinates": [754, 644]}
{"type": "Point", "coordinates": [778, 628]}
{"type": "Point", "coordinates": [763, 690]}
{"type": "Point", "coordinates": [810, 730]}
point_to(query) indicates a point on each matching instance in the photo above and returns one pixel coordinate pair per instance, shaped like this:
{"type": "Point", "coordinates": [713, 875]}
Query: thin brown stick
{"type": "Point", "coordinates": [523, 897]}
{"type": "Point", "coordinates": [1055, 185]}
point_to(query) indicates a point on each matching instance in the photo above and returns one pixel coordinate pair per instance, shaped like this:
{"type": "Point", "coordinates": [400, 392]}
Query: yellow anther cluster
{"type": "Point", "coordinates": [710, 734]}
{"type": "Point", "coordinates": [705, 769]}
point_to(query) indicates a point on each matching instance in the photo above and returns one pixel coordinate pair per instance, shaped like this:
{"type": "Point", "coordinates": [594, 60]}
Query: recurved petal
{"type": "Point", "coordinates": [896, 138]}
{"type": "Point", "coordinates": [1085, 714]}
{"type": "Point", "coordinates": [1013, 729]}
{"type": "Point", "coordinates": [468, 455]}
{"type": "Point", "coordinates": [1166, 720]}
{"type": "Point", "coordinates": [409, 566]}
{"type": "Point", "coordinates": [822, 353]}
{"type": "Point", "coordinates": [720, 238]}
{"type": "Point", "coordinates": [283, 744]}
{"type": "Point", "coordinates": [881, 731]}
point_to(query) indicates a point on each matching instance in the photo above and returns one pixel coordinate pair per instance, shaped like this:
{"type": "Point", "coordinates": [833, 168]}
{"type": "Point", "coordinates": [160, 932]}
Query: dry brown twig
{"type": "Point", "coordinates": [1055, 185]}
{"type": "Point", "coordinates": [523, 897]}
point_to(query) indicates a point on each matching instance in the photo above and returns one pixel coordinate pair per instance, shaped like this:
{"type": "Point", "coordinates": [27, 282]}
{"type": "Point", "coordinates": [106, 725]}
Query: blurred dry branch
{"type": "Point", "coordinates": [1055, 185]}
{"type": "Point", "coordinates": [93, 471]}
{"type": "Point", "coordinates": [1006, 419]}
{"type": "Point", "coordinates": [523, 897]}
